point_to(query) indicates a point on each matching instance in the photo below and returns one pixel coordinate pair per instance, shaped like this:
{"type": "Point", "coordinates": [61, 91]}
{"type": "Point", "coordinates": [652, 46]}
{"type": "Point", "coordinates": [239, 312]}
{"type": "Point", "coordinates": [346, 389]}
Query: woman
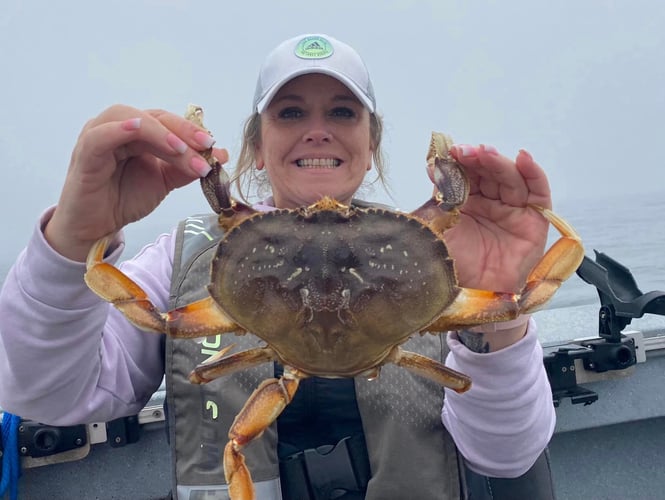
{"type": "Point", "coordinates": [315, 131]}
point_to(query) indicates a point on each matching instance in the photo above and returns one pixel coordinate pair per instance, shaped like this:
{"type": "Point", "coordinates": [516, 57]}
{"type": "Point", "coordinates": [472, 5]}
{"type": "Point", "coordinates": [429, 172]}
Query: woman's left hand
{"type": "Point", "coordinates": [499, 238]}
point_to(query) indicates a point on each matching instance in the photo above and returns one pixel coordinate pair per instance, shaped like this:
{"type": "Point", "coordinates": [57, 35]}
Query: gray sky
{"type": "Point", "coordinates": [581, 85]}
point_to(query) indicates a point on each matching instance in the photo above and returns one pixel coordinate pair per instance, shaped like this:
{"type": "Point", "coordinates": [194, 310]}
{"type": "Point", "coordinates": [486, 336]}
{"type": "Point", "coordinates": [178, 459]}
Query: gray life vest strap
{"type": "Point", "coordinates": [400, 411]}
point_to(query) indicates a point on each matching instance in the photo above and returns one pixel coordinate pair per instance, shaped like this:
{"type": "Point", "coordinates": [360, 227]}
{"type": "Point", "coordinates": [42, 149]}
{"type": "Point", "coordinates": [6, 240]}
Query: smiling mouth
{"type": "Point", "coordinates": [318, 163]}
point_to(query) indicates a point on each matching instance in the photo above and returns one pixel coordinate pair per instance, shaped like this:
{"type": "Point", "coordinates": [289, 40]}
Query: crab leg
{"type": "Point", "coordinates": [474, 307]}
{"type": "Point", "coordinates": [115, 287]}
{"type": "Point", "coordinates": [430, 369]}
{"type": "Point", "coordinates": [198, 319]}
{"type": "Point", "coordinates": [219, 364]}
{"type": "Point", "coordinates": [260, 411]}
{"type": "Point", "coordinates": [557, 265]}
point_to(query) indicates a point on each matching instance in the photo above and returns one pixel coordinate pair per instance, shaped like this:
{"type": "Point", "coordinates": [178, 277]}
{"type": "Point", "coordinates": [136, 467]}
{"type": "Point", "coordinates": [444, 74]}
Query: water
{"type": "Point", "coordinates": [629, 229]}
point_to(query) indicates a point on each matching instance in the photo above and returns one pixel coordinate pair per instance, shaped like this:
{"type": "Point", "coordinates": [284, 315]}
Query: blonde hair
{"type": "Point", "coordinates": [248, 179]}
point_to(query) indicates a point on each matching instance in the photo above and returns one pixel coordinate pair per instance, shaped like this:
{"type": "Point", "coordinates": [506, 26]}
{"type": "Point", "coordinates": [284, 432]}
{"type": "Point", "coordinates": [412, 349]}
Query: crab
{"type": "Point", "coordinates": [333, 290]}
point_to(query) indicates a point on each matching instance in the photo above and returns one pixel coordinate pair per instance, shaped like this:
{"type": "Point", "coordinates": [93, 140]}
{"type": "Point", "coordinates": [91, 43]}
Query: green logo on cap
{"type": "Point", "coordinates": [314, 47]}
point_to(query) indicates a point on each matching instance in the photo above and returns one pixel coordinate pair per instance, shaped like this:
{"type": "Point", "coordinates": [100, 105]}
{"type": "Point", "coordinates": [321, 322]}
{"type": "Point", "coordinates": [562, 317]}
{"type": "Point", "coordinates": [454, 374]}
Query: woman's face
{"type": "Point", "coordinates": [315, 142]}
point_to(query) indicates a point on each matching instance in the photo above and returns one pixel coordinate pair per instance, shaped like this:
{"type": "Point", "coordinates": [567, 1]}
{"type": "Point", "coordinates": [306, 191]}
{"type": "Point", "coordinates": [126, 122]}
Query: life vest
{"type": "Point", "coordinates": [410, 452]}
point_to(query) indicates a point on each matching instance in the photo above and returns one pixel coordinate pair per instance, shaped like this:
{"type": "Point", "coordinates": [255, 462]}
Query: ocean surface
{"type": "Point", "coordinates": [629, 229]}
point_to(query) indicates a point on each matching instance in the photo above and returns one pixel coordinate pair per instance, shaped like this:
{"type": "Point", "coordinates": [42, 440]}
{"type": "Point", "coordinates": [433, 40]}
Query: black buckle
{"type": "Point", "coordinates": [326, 472]}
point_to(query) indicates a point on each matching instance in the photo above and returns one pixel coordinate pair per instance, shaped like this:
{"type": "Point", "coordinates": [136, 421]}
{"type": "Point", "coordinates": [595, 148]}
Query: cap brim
{"type": "Point", "coordinates": [352, 86]}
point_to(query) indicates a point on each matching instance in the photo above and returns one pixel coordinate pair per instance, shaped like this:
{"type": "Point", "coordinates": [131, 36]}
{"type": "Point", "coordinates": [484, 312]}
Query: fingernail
{"type": "Point", "coordinates": [466, 149]}
{"type": "Point", "coordinates": [204, 140]}
{"type": "Point", "coordinates": [176, 143]}
{"type": "Point", "coordinates": [526, 153]}
{"type": "Point", "coordinates": [489, 149]}
{"type": "Point", "coordinates": [200, 166]}
{"type": "Point", "coordinates": [131, 124]}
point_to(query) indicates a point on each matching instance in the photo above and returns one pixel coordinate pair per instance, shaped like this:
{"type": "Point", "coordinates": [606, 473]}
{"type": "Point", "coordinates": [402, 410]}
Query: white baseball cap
{"type": "Point", "coordinates": [314, 53]}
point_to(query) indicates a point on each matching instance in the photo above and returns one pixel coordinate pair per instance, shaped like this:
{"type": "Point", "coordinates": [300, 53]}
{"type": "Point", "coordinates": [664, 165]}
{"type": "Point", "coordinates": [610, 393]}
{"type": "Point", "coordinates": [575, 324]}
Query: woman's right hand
{"type": "Point", "coordinates": [123, 165]}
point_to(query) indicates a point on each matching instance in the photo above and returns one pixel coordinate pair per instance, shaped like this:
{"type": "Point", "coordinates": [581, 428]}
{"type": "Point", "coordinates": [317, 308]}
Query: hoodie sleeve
{"type": "Point", "coordinates": [505, 421]}
{"type": "Point", "coordinates": [67, 356]}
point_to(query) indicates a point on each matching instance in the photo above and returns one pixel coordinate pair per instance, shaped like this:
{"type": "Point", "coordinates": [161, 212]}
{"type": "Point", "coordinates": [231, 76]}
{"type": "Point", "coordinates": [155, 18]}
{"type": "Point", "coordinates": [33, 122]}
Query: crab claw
{"type": "Point", "coordinates": [216, 186]}
{"type": "Point", "coordinates": [237, 474]}
{"type": "Point", "coordinates": [447, 175]}
{"type": "Point", "coordinates": [451, 186]}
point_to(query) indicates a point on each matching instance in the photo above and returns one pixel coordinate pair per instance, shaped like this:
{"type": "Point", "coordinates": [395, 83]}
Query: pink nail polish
{"type": "Point", "coordinates": [176, 143]}
{"type": "Point", "coordinates": [200, 166]}
{"type": "Point", "coordinates": [131, 124]}
{"type": "Point", "coordinates": [466, 149]}
{"type": "Point", "coordinates": [527, 154]}
{"type": "Point", "coordinates": [490, 149]}
{"type": "Point", "coordinates": [205, 140]}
